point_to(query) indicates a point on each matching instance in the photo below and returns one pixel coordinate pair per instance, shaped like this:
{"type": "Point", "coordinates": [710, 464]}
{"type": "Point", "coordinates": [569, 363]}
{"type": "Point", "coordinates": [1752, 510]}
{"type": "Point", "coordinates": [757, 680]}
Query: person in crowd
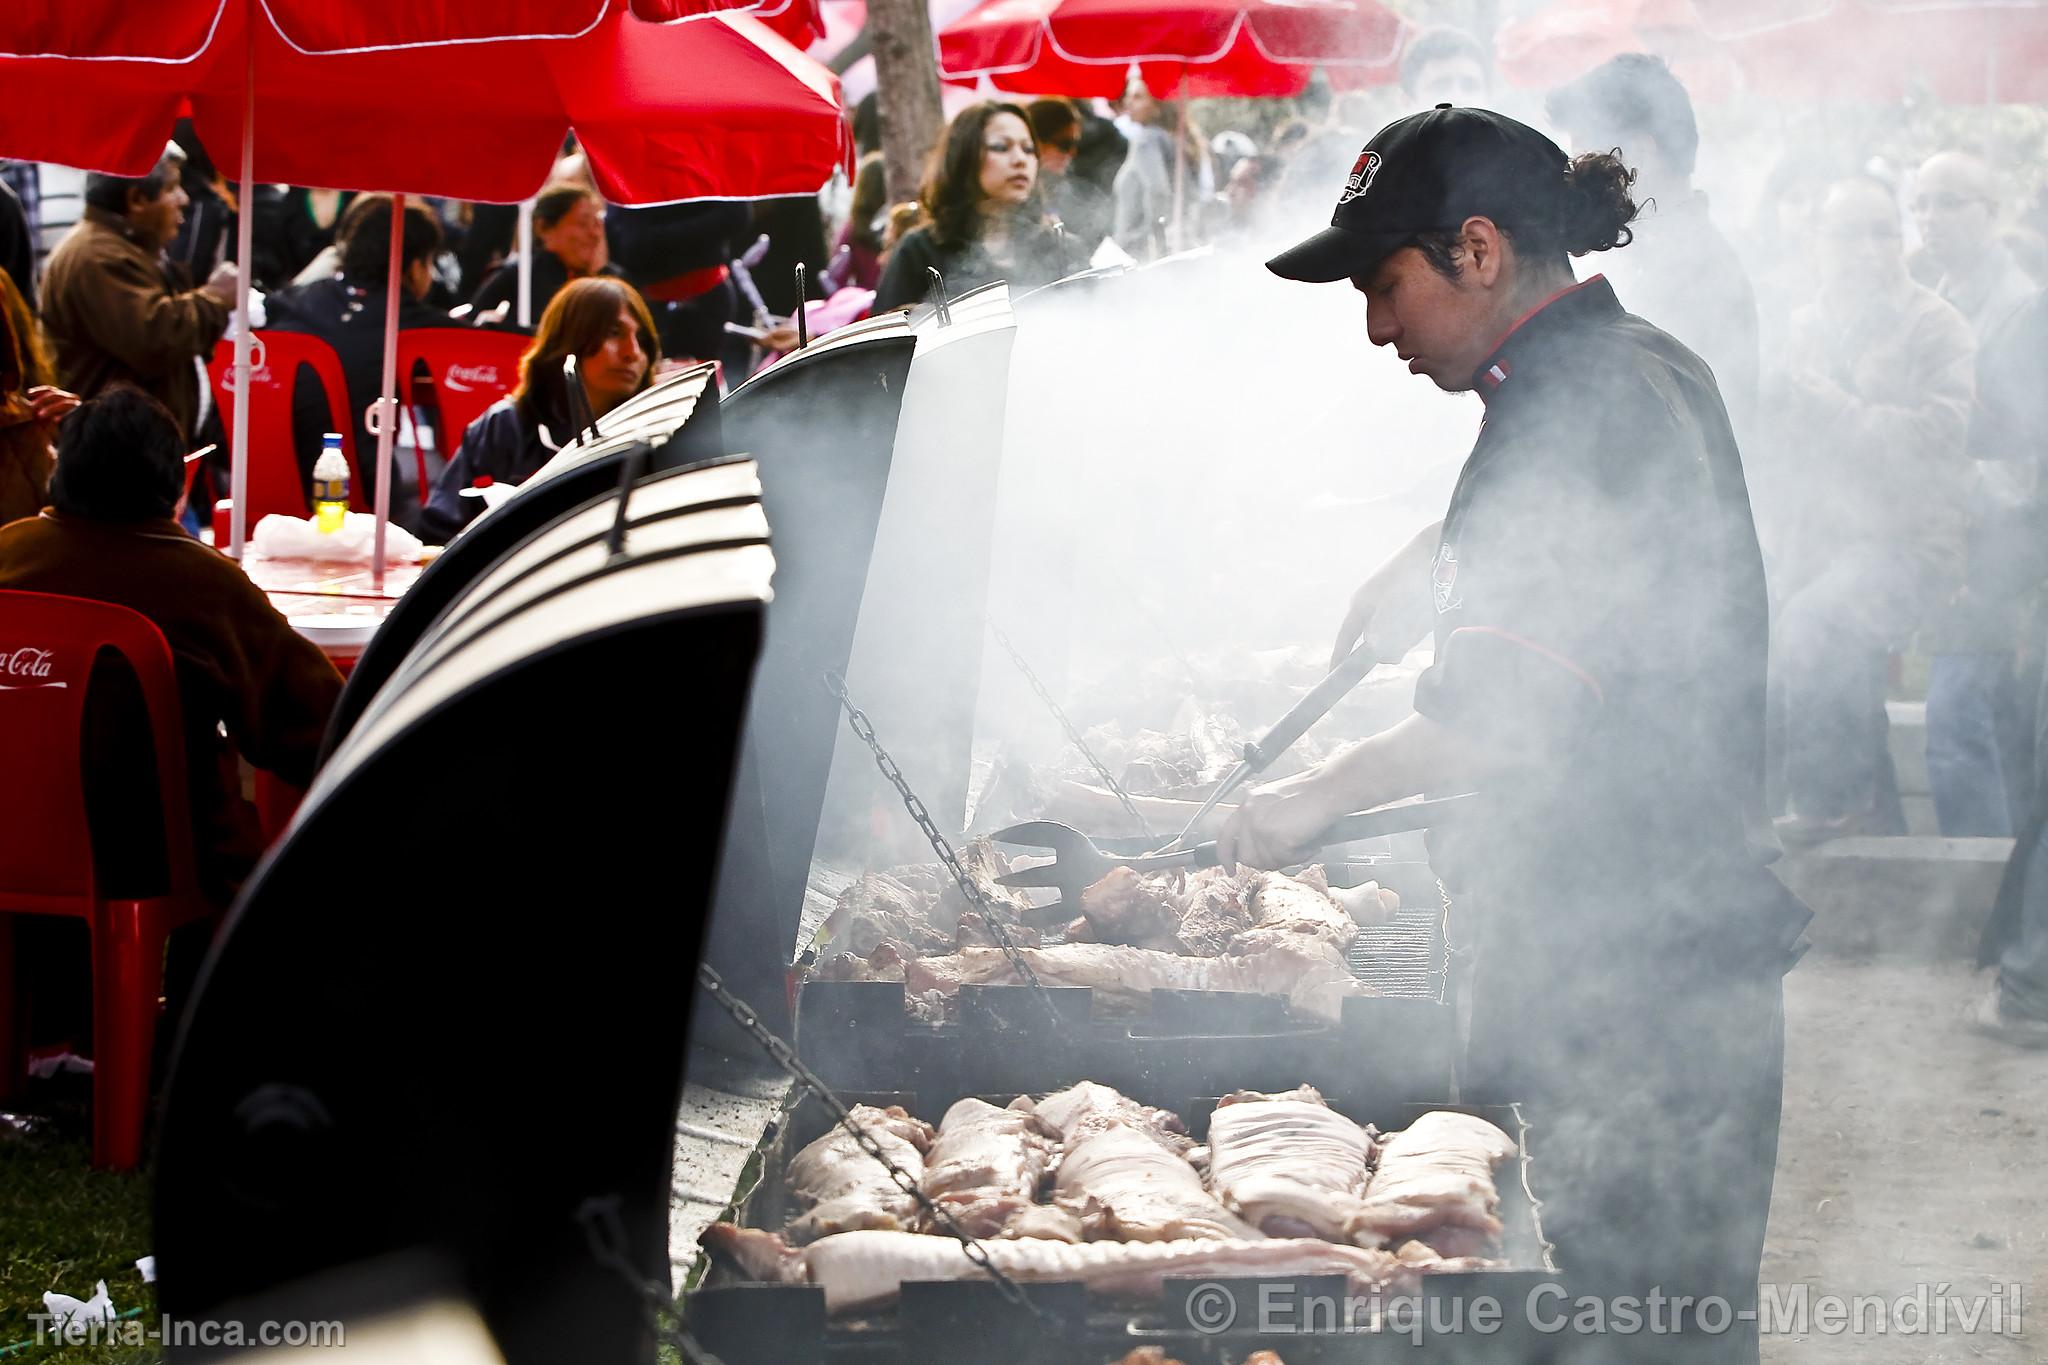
{"type": "Point", "coordinates": [1144, 186]}
{"type": "Point", "coordinates": [1970, 688]}
{"type": "Point", "coordinates": [25, 178]}
{"type": "Point", "coordinates": [1077, 204]}
{"type": "Point", "coordinates": [679, 257]}
{"type": "Point", "coordinates": [568, 234]}
{"type": "Point", "coordinates": [1869, 409]}
{"type": "Point", "coordinates": [857, 255]}
{"type": "Point", "coordinates": [207, 236]}
{"type": "Point", "coordinates": [1681, 274]}
{"type": "Point", "coordinates": [248, 683]}
{"type": "Point", "coordinates": [1101, 153]}
{"type": "Point", "coordinates": [794, 225]}
{"type": "Point", "coordinates": [308, 223]}
{"type": "Point", "coordinates": [2008, 423]}
{"type": "Point", "coordinates": [17, 244]}
{"type": "Point", "coordinates": [347, 312]}
{"type": "Point", "coordinates": [1601, 625]}
{"type": "Point", "coordinates": [984, 220]}
{"type": "Point", "coordinates": [116, 311]}
{"type": "Point", "coordinates": [606, 325]}
{"type": "Point", "coordinates": [1445, 66]}
{"type": "Point", "coordinates": [30, 404]}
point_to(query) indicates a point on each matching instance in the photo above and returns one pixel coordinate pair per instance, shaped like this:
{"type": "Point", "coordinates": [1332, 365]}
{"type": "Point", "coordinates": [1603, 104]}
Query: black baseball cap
{"type": "Point", "coordinates": [1429, 172]}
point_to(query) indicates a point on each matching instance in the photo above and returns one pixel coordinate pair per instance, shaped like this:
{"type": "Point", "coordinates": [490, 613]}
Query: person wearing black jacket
{"type": "Point", "coordinates": [569, 244]}
{"type": "Point", "coordinates": [1601, 633]}
{"type": "Point", "coordinates": [677, 256]}
{"type": "Point", "coordinates": [605, 324]}
{"type": "Point", "coordinates": [347, 312]}
{"type": "Point", "coordinates": [986, 221]}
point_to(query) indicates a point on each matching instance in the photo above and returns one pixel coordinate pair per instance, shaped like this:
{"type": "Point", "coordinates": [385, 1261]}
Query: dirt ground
{"type": "Point", "coordinates": [1912, 1152]}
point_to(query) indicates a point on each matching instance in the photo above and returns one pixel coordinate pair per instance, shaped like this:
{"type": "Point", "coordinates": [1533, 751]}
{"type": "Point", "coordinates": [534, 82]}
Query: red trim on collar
{"type": "Point", "coordinates": [1494, 371]}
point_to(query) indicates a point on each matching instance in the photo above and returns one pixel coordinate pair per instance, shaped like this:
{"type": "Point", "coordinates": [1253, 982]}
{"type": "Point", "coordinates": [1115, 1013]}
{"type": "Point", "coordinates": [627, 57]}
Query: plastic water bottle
{"type": "Point", "coordinates": [330, 486]}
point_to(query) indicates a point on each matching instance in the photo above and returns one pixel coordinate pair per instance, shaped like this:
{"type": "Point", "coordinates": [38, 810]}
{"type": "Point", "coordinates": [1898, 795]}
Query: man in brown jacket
{"type": "Point", "coordinates": [113, 307]}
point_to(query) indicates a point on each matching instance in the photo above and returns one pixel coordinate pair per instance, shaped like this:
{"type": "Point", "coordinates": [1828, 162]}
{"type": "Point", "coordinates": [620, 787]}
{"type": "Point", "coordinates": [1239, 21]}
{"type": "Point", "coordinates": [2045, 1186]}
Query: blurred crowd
{"type": "Point", "coordinates": [1875, 329]}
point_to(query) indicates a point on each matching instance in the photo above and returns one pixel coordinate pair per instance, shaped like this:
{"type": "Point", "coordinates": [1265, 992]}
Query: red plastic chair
{"type": "Point", "coordinates": [276, 484]}
{"type": "Point", "coordinates": [470, 368]}
{"type": "Point", "coordinates": [47, 648]}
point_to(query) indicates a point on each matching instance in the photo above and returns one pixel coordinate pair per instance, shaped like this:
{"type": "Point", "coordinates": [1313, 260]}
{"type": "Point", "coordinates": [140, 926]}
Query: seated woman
{"type": "Point", "coordinates": [569, 240]}
{"type": "Point", "coordinates": [987, 223]}
{"type": "Point", "coordinates": [605, 324]}
{"type": "Point", "coordinates": [248, 684]}
{"type": "Point", "coordinates": [30, 405]}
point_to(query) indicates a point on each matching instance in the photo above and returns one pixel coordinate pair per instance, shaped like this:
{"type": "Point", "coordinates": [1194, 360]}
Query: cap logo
{"type": "Point", "coordinates": [1362, 172]}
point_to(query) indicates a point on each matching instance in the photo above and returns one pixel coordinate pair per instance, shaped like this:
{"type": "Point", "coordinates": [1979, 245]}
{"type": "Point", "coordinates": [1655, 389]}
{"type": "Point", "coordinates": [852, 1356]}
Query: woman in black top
{"type": "Point", "coordinates": [985, 220]}
{"type": "Point", "coordinates": [605, 324]}
{"type": "Point", "coordinates": [569, 241]}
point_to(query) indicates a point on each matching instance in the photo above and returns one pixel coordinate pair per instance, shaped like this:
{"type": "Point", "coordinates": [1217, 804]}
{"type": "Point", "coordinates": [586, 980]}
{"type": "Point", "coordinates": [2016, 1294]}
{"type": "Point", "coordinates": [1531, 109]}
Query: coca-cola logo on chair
{"type": "Point", "coordinates": [464, 378]}
{"type": "Point", "coordinates": [27, 666]}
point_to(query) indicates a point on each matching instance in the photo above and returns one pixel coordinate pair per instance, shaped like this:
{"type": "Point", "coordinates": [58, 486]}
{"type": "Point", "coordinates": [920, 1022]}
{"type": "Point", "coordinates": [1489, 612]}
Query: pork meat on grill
{"type": "Point", "coordinates": [1313, 975]}
{"type": "Point", "coordinates": [1290, 1165]}
{"type": "Point", "coordinates": [1434, 1183]}
{"type": "Point", "coordinates": [843, 1188]}
{"type": "Point", "coordinates": [1127, 1186]}
{"type": "Point", "coordinates": [986, 1166]}
{"type": "Point", "coordinates": [865, 1270]}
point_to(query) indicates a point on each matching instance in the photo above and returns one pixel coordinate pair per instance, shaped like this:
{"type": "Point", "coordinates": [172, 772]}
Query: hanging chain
{"type": "Point", "coordinates": [864, 729]}
{"type": "Point", "coordinates": [607, 1237]}
{"type": "Point", "coordinates": [785, 1057]}
{"type": "Point", "coordinates": [1059, 714]}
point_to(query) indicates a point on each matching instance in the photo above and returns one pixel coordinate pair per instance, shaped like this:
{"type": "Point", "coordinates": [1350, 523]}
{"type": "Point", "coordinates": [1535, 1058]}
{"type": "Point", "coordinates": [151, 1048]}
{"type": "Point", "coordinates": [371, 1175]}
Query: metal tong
{"type": "Point", "coordinates": [1260, 753]}
{"type": "Point", "coordinates": [1077, 863]}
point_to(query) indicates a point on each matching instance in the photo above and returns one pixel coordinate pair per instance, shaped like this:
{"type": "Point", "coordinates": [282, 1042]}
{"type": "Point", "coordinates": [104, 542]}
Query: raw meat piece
{"type": "Point", "coordinates": [1435, 1181]}
{"type": "Point", "coordinates": [1289, 1164]}
{"type": "Point", "coordinates": [975, 933]}
{"type": "Point", "coordinates": [866, 1269]}
{"type": "Point", "coordinates": [1218, 909]}
{"type": "Point", "coordinates": [1127, 1187]}
{"type": "Point", "coordinates": [1128, 907]}
{"type": "Point", "coordinates": [1312, 975]}
{"type": "Point", "coordinates": [1368, 904]}
{"type": "Point", "coordinates": [844, 1188]}
{"type": "Point", "coordinates": [1066, 1110]}
{"type": "Point", "coordinates": [987, 1164]}
{"type": "Point", "coordinates": [1286, 911]}
{"type": "Point", "coordinates": [880, 907]}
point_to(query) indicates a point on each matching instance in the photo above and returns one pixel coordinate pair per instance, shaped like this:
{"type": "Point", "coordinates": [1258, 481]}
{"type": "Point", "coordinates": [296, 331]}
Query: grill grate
{"type": "Point", "coordinates": [1406, 957]}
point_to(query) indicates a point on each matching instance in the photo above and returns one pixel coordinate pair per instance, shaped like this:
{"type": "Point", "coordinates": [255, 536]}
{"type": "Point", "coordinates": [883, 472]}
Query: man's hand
{"type": "Point", "coordinates": [221, 283]}
{"type": "Point", "coordinates": [1404, 573]}
{"type": "Point", "coordinates": [1277, 824]}
{"type": "Point", "coordinates": [50, 403]}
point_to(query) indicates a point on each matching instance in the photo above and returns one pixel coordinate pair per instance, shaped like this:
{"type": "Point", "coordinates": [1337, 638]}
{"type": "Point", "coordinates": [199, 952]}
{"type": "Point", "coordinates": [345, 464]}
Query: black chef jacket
{"type": "Point", "coordinates": [1600, 607]}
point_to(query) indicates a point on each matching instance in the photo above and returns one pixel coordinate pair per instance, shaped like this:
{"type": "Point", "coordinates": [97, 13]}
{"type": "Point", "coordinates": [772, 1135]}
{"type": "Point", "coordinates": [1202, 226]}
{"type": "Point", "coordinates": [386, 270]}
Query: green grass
{"type": "Point", "coordinates": [64, 1226]}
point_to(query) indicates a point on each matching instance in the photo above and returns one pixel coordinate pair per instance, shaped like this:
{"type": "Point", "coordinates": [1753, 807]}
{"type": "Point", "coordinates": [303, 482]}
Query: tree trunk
{"type": "Point", "coordinates": [907, 86]}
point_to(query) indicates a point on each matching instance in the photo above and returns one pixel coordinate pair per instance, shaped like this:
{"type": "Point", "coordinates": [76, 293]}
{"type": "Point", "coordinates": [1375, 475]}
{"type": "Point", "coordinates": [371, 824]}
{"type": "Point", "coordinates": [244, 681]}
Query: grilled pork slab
{"type": "Point", "coordinates": [844, 1188]}
{"type": "Point", "coordinates": [863, 1270]}
{"type": "Point", "coordinates": [1128, 1187]}
{"type": "Point", "coordinates": [1310, 973]}
{"type": "Point", "coordinates": [1290, 1165]}
{"type": "Point", "coordinates": [987, 1164]}
{"type": "Point", "coordinates": [1435, 1183]}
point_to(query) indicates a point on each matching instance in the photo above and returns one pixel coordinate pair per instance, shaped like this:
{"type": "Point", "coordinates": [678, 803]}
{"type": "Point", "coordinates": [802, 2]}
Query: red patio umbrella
{"type": "Point", "coordinates": [1186, 48]}
{"type": "Point", "coordinates": [716, 106]}
{"type": "Point", "coordinates": [1964, 51]}
{"type": "Point", "coordinates": [180, 30]}
{"type": "Point", "coordinates": [1562, 42]}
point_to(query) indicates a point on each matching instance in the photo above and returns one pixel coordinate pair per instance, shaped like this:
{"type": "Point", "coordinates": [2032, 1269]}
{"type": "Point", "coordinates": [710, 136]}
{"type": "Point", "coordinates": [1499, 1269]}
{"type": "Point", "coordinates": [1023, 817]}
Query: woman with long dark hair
{"type": "Point", "coordinates": [605, 324]}
{"type": "Point", "coordinates": [569, 244]}
{"type": "Point", "coordinates": [985, 219]}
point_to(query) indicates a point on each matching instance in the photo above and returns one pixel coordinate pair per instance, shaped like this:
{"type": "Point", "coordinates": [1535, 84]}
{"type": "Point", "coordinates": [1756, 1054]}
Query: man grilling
{"type": "Point", "coordinates": [1600, 641]}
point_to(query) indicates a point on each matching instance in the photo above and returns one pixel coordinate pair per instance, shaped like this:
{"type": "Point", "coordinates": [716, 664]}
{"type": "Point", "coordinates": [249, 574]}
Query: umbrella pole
{"type": "Point", "coordinates": [387, 401]}
{"type": "Point", "coordinates": [1180, 165]}
{"type": "Point", "coordinates": [245, 224]}
{"type": "Point", "coordinates": [525, 248]}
